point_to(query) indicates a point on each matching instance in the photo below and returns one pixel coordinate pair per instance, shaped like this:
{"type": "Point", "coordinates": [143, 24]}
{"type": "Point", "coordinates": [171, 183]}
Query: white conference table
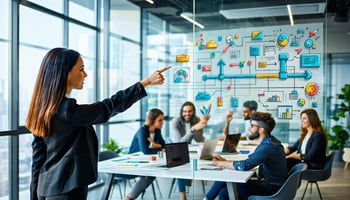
{"type": "Point", "coordinates": [142, 165]}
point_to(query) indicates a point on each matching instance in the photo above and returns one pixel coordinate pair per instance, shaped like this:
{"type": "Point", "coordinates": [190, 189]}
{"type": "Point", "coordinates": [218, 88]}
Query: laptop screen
{"type": "Point", "coordinates": [231, 142]}
{"type": "Point", "coordinates": [177, 154]}
{"type": "Point", "coordinates": [208, 149]}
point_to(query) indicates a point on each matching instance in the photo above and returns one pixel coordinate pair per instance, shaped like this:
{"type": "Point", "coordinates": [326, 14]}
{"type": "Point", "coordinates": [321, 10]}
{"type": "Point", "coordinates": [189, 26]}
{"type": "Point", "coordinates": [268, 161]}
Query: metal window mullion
{"type": "Point", "coordinates": [14, 104]}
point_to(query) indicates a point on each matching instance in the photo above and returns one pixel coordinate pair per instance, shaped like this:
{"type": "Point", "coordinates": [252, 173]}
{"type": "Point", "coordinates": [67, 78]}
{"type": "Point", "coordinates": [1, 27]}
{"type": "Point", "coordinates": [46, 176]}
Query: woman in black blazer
{"type": "Point", "coordinates": [312, 145]}
{"type": "Point", "coordinates": [65, 145]}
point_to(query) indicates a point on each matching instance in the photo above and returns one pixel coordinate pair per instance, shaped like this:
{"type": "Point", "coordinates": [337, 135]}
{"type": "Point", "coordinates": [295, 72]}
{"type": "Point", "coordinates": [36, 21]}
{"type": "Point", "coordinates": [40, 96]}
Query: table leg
{"type": "Point", "coordinates": [232, 190]}
{"type": "Point", "coordinates": [107, 187]}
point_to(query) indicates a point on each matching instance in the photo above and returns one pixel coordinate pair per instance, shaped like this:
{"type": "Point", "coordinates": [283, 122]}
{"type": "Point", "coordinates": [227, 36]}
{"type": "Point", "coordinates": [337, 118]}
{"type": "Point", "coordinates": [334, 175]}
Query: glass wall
{"type": "Point", "coordinates": [216, 64]}
{"type": "Point", "coordinates": [42, 25]}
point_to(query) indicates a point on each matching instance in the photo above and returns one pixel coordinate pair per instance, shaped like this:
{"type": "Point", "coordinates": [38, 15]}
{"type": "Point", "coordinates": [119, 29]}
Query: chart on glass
{"type": "Point", "coordinates": [281, 67]}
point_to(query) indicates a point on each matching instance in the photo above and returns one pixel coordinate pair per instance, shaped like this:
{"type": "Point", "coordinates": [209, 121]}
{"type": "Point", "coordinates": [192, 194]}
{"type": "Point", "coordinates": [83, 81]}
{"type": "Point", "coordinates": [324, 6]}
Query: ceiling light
{"type": "Point", "coordinates": [150, 1]}
{"type": "Point", "coordinates": [184, 15]}
{"type": "Point", "coordinates": [290, 15]}
{"type": "Point", "coordinates": [273, 11]}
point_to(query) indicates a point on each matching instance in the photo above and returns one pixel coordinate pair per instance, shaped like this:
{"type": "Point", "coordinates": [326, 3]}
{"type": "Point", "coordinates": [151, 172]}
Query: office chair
{"type": "Point", "coordinates": [105, 155]}
{"type": "Point", "coordinates": [346, 156]}
{"type": "Point", "coordinates": [313, 176]}
{"type": "Point", "coordinates": [289, 189]}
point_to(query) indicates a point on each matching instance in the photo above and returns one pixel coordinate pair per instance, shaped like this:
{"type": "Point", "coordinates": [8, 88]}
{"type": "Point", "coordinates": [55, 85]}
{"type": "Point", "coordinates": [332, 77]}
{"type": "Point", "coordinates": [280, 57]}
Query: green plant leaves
{"type": "Point", "coordinates": [112, 145]}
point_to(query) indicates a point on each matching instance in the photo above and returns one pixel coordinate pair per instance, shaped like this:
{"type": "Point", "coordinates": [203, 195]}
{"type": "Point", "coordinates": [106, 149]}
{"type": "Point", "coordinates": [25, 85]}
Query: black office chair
{"type": "Point", "coordinates": [313, 176]}
{"type": "Point", "coordinates": [289, 189]}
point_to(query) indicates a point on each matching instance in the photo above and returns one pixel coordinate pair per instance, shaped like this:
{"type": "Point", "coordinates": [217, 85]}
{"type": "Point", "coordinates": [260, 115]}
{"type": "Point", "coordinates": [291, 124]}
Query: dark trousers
{"type": "Point", "coordinates": [291, 162]}
{"type": "Point", "coordinates": [244, 190]}
{"type": "Point", "coordinates": [76, 194]}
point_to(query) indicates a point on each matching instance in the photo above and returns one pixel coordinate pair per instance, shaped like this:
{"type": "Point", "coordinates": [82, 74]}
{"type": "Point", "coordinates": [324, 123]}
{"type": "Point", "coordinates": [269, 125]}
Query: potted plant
{"type": "Point", "coordinates": [112, 145]}
{"type": "Point", "coordinates": [338, 140]}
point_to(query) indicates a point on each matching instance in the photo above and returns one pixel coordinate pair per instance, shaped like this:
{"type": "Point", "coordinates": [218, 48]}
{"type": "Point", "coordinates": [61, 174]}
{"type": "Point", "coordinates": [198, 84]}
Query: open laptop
{"type": "Point", "coordinates": [230, 144]}
{"type": "Point", "coordinates": [176, 154]}
{"type": "Point", "coordinates": [208, 149]}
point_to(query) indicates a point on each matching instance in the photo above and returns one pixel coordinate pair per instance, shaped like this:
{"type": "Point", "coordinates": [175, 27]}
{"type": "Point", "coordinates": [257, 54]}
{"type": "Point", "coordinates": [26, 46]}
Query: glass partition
{"type": "Point", "coordinates": [225, 53]}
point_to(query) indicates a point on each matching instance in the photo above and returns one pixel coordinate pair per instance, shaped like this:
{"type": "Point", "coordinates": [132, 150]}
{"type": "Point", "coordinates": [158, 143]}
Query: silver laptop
{"type": "Point", "coordinates": [208, 149]}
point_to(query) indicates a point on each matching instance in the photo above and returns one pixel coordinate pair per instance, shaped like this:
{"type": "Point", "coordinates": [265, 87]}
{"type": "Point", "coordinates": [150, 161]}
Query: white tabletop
{"type": "Point", "coordinates": [142, 165]}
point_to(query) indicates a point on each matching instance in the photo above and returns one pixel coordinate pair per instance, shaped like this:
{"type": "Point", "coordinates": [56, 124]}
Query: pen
{"type": "Point", "coordinates": [119, 159]}
{"type": "Point", "coordinates": [202, 111]}
{"type": "Point", "coordinates": [210, 105]}
{"type": "Point", "coordinates": [137, 161]}
{"type": "Point", "coordinates": [127, 165]}
{"type": "Point", "coordinates": [215, 168]}
{"type": "Point", "coordinates": [205, 110]}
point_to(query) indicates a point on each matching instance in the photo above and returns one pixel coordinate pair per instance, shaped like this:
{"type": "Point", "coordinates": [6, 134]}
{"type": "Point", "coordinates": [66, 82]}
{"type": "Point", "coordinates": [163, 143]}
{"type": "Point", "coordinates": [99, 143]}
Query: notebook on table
{"type": "Point", "coordinates": [176, 154]}
{"type": "Point", "coordinates": [208, 149]}
{"type": "Point", "coordinates": [230, 144]}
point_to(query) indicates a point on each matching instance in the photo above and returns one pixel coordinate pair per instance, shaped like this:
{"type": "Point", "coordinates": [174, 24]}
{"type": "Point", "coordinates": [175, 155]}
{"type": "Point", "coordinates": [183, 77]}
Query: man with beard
{"type": "Point", "coordinates": [249, 107]}
{"type": "Point", "coordinates": [188, 127]}
{"type": "Point", "coordinates": [268, 155]}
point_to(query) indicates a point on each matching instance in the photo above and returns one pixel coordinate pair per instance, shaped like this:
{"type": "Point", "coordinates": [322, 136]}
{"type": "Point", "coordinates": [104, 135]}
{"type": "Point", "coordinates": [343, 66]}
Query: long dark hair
{"type": "Point", "coordinates": [188, 103]}
{"type": "Point", "coordinates": [50, 89]}
{"type": "Point", "coordinates": [314, 121]}
{"type": "Point", "coordinates": [152, 116]}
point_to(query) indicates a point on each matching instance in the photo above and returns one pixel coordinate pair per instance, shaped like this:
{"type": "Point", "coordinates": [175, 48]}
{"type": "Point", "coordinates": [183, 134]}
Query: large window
{"type": "Point", "coordinates": [124, 63]}
{"type": "Point", "coordinates": [4, 169]}
{"type": "Point", "coordinates": [84, 11]}
{"type": "Point", "coordinates": [4, 65]}
{"type": "Point", "coordinates": [52, 5]}
{"type": "Point", "coordinates": [42, 25]}
{"type": "Point", "coordinates": [84, 41]}
{"type": "Point", "coordinates": [4, 95]}
{"type": "Point", "coordinates": [34, 43]}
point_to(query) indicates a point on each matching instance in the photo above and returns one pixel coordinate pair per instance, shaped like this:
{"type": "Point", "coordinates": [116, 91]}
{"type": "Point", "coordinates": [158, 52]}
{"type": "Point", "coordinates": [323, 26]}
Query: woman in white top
{"type": "Point", "coordinates": [312, 144]}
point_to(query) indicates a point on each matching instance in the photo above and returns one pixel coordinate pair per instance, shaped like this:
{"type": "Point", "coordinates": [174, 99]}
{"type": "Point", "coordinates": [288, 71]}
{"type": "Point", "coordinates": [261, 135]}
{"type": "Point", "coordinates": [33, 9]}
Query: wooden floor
{"type": "Point", "coordinates": [335, 188]}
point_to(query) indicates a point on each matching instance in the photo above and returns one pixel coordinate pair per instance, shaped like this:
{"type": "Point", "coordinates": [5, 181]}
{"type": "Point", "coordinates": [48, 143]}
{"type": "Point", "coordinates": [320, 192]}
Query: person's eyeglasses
{"type": "Point", "coordinates": [252, 125]}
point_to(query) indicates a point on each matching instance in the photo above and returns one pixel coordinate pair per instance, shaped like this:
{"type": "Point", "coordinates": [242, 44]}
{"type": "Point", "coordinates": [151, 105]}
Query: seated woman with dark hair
{"type": "Point", "coordinates": [312, 144]}
{"type": "Point", "coordinates": [149, 140]}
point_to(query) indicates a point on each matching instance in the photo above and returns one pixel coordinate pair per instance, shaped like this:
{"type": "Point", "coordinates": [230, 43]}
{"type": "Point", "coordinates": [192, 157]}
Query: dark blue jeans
{"type": "Point", "coordinates": [182, 183]}
{"type": "Point", "coordinates": [244, 190]}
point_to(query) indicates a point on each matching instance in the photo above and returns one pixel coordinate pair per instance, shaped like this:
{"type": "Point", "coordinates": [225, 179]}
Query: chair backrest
{"type": "Point", "coordinates": [328, 165]}
{"type": "Point", "coordinates": [105, 155]}
{"type": "Point", "coordinates": [314, 175]}
{"type": "Point", "coordinates": [289, 189]}
{"type": "Point", "coordinates": [346, 154]}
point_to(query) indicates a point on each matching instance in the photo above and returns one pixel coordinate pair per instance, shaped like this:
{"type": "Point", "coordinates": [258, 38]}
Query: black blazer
{"type": "Point", "coordinates": [141, 143]}
{"type": "Point", "coordinates": [315, 155]}
{"type": "Point", "coordinates": [67, 159]}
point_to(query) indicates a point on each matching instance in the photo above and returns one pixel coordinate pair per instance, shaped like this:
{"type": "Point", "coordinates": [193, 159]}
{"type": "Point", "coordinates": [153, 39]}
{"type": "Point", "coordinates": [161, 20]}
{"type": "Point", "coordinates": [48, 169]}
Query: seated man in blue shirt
{"type": "Point", "coordinates": [269, 156]}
